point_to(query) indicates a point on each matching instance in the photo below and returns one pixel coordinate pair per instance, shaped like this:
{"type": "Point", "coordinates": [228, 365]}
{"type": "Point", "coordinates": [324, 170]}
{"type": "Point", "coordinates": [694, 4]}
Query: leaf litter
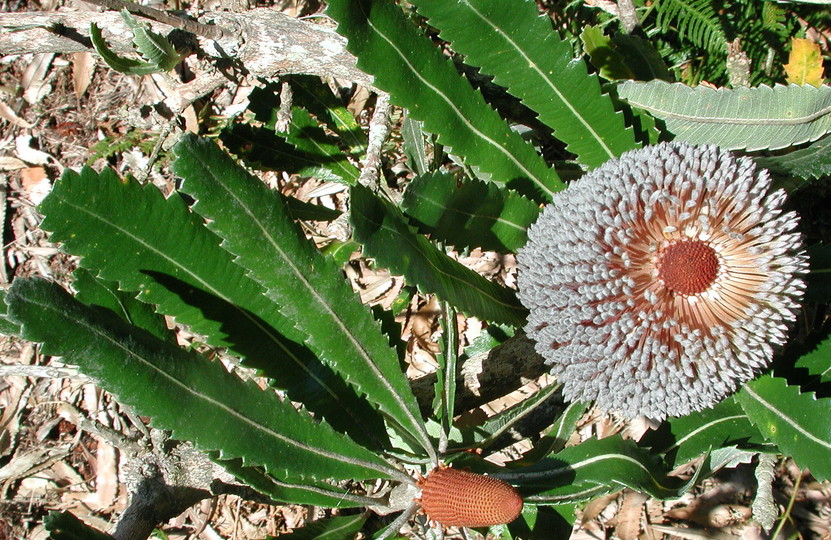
{"type": "Point", "coordinates": [54, 454]}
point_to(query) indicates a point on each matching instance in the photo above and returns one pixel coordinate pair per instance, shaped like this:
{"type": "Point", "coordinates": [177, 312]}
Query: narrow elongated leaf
{"type": "Point", "coordinates": [121, 64]}
{"type": "Point", "coordinates": [309, 139]}
{"type": "Point", "coordinates": [413, 145]}
{"type": "Point", "coordinates": [333, 528]}
{"type": "Point", "coordinates": [99, 292]}
{"type": "Point", "coordinates": [152, 45]}
{"type": "Point", "coordinates": [813, 161]}
{"type": "Point", "coordinates": [798, 423]}
{"type": "Point", "coordinates": [470, 214]}
{"type": "Point", "coordinates": [595, 467]}
{"type": "Point", "coordinates": [196, 399]}
{"type": "Point", "coordinates": [305, 492]}
{"type": "Point", "coordinates": [683, 439]}
{"type": "Point", "coordinates": [557, 435]}
{"type": "Point", "coordinates": [387, 237]}
{"type": "Point", "coordinates": [742, 118]}
{"type": "Point", "coordinates": [307, 285]}
{"type": "Point", "coordinates": [316, 97]}
{"type": "Point", "coordinates": [65, 526]}
{"type": "Point", "coordinates": [513, 42]}
{"type": "Point", "coordinates": [262, 148]}
{"type": "Point", "coordinates": [501, 424]}
{"type": "Point", "coordinates": [158, 248]}
{"type": "Point", "coordinates": [421, 79]}
{"type": "Point", "coordinates": [818, 360]}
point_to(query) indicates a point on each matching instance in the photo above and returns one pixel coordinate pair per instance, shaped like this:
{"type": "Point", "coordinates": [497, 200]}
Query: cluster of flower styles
{"type": "Point", "coordinates": [662, 280]}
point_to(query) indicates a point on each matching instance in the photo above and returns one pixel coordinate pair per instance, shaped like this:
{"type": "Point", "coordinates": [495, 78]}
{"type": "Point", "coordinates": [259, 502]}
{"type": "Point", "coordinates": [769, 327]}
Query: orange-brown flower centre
{"type": "Point", "coordinates": [688, 267]}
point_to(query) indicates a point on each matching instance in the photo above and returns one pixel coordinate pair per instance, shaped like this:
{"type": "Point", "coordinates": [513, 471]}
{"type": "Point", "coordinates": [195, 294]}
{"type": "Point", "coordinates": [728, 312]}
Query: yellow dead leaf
{"type": "Point", "coordinates": [804, 63]}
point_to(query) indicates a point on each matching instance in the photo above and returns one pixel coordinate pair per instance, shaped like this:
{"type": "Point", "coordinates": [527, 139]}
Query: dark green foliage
{"type": "Point", "coordinates": [231, 259]}
{"type": "Point", "coordinates": [65, 526]}
{"type": "Point", "coordinates": [469, 214]}
{"type": "Point", "coordinates": [378, 224]}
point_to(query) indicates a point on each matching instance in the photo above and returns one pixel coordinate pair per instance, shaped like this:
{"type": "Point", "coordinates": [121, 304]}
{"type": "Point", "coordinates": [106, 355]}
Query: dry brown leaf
{"type": "Point", "coordinates": [595, 507]}
{"type": "Point", "coordinates": [7, 113]}
{"type": "Point", "coordinates": [13, 398]}
{"type": "Point", "coordinates": [106, 477]}
{"type": "Point", "coordinates": [83, 66]}
{"type": "Point", "coordinates": [629, 514]}
{"type": "Point", "coordinates": [33, 81]}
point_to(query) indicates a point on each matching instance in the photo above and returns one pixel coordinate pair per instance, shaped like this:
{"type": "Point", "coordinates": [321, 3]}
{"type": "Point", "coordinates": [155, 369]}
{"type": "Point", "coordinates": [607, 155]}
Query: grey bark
{"type": "Point", "coordinates": [259, 43]}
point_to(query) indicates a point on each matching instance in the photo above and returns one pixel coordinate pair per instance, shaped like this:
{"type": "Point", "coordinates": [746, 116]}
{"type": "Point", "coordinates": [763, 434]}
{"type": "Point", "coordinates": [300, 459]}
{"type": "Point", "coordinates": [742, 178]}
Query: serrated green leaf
{"type": "Point", "coordinates": [420, 78]}
{"type": "Point", "coordinates": [470, 213]}
{"type": "Point", "coordinates": [513, 42]}
{"type": "Point", "coordinates": [154, 47]}
{"type": "Point", "coordinates": [641, 57]}
{"type": "Point", "coordinates": [387, 237]}
{"type": "Point", "coordinates": [315, 96]}
{"type": "Point", "coordinates": [741, 118]}
{"type": "Point", "coordinates": [307, 285]}
{"type": "Point", "coordinates": [333, 528]}
{"type": "Point", "coordinates": [93, 291]}
{"type": "Point", "coordinates": [813, 161]}
{"type": "Point", "coordinates": [264, 149]}
{"type": "Point", "coordinates": [818, 360]}
{"type": "Point", "coordinates": [308, 137]}
{"type": "Point", "coordinates": [413, 145]}
{"type": "Point", "coordinates": [305, 492]}
{"type": "Point", "coordinates": [122, 65]}
{"type": "Point", "coordinates": [155, 246]}
{"type": "Point", "coordinates": [304, 133]}
{"type": "Point", "coordinates": [305, 211]}
{"type": "Point", "coordinates": [798, 423]}
{"type": "Point", "coordinates": [686, 438]}
{"type": "Point", "coordinates": [609, 63]}
{"type": "Point", "coordinates": [196, 399]}
{"type": "Point", "coordinates": [595, 467]}
{"type": "Point", "coordinates": [65, 526]}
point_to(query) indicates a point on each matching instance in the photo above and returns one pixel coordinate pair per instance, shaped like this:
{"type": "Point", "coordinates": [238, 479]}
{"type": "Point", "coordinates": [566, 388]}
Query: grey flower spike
{"type": "Point", "coordinates": [662, 280]}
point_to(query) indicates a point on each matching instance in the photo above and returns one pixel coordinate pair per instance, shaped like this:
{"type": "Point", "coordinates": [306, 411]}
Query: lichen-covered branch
{"type": "Point", "coordinates": [257, 43]}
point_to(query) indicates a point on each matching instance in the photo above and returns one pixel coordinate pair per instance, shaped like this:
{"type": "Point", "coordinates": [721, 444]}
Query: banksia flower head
{"type": "Point", "coordinates": [455, 498]}
{"type": "Point", "coordinates": [662, 280]}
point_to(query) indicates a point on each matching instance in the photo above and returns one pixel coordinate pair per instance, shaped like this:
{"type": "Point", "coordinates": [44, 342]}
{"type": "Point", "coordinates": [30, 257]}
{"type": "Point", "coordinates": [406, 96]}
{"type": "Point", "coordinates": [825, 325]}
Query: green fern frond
{"type": "Point", "coordinates": [695, 20]}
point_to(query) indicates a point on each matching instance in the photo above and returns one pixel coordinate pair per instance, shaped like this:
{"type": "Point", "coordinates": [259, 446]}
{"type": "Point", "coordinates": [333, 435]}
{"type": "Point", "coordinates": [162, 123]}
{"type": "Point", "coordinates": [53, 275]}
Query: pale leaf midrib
{"type": "Point", "coordinates": [787, 419]}
{"type": "Point", "coordinates": [510, 307]}
{"type": "Point", "coordinates": [216, 292]}
{"type": "Point", "coordinates": [504, 151]}
{"type": "Point", "coordinates": [691, 99]}
{"type": "Point", "coordinates": [547, 81]}
{"type": "Point", "coordinates": [495, 219]}
{"type": "Point", "coordinates": [363, 354]}
{"type": "Point", "coordinates": [221, 406]}
{"type": "Point", "coordinates": [702, 428]}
